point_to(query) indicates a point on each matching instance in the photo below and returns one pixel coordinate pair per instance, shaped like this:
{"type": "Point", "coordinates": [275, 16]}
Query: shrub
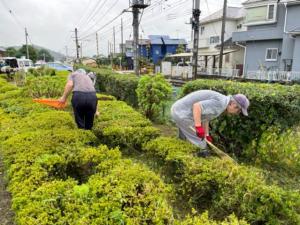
{"type": "Point", "coordinates": [122, 86]}
{"type": "Point", "coordinates": [277, 149]}
{"type": "Point", "coordinates": [152, 93]}
{"type": "Point", "coordinates": [46, 86]}
{"type": "Point", "coordinates": [120, 125]}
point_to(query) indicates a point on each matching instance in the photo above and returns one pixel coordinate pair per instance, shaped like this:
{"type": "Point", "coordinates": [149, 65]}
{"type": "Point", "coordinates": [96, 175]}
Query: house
{"type": "Point", "coordinates": [2, 52]}
{"type": "Point", "coordinates": [156, 47]}
{"type": "Point", "coordinates": [89, 62]}
{"type": "Point", "coordinates": [272, 38]}
{"type": "Point", "coordinates": [210, 39]}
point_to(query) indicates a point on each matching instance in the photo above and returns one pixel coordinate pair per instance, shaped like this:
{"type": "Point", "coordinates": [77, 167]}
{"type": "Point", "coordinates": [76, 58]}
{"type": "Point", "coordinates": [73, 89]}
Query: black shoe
{"type": "Point", "coordinates": [204, 153]}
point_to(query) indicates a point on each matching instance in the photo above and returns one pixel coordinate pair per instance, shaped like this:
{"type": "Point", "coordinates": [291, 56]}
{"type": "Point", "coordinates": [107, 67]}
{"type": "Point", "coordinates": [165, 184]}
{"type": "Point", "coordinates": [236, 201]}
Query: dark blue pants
{"type": "Point", "coordinates": [84, 106]}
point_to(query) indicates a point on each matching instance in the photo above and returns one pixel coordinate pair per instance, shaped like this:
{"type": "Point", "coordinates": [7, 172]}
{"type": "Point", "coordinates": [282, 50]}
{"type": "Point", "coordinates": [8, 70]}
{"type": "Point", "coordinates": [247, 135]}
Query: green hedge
{"type": "Point", "coordinates": [278, 150]}
{"type": "Point", "coordinates": [120, 125]}
{"type": "Point", "coordinates": [214, 184]}
{"type": "Point", "coordinates": [122, 86]}
{"type": "Point", "coordinates": [270, 105]}
{"type": "Point", "coordinates": [223, 187]}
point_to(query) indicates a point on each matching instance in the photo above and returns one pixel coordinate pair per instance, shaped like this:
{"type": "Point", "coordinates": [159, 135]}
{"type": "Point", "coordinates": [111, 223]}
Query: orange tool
{"type": "Point", "coordinates": [51, 102]}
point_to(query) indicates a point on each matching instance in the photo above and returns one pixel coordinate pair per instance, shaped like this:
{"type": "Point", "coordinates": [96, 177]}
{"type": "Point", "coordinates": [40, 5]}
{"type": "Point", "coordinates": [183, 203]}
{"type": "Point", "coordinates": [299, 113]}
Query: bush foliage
{"type": "Point", "coordinates": [152, 93]}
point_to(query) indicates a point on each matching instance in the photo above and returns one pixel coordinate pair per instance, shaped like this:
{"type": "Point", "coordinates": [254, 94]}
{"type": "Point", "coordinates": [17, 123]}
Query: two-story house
{"type": "Point", "coordinates": [272, 39]}
{"type": "Point", "coordinates": [210, 39]}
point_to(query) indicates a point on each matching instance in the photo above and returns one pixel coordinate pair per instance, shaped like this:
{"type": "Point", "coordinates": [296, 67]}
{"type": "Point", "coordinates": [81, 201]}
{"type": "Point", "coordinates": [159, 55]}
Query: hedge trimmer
{"type": "Point", "coordinates": [51, 102]}
{"type": "Point", "coordinates": [218, 151]}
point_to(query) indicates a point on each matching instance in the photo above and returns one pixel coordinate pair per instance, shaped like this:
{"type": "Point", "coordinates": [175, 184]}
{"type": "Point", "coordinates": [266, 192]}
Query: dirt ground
{"type": "Point", "coordinates": [6, 215]}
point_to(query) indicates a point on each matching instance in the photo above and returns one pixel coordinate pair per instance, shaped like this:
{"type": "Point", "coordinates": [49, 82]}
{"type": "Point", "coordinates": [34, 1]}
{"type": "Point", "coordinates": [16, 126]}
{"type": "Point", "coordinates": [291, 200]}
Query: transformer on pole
{"type": "Point", "coordinates": [136, 5]}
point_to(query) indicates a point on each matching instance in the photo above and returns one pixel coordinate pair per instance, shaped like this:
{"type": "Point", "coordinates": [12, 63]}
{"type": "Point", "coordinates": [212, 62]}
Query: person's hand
{"type": "Point", "coordinates": [200, 131]}
{"type": "Point", "coordinates": [209, 138]}
{"type": "Point", "coordinates": [62, 100]}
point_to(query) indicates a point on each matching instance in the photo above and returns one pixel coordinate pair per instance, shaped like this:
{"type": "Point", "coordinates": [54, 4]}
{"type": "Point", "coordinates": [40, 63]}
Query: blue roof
{"type": "Point", "coordinates": [157, 39]}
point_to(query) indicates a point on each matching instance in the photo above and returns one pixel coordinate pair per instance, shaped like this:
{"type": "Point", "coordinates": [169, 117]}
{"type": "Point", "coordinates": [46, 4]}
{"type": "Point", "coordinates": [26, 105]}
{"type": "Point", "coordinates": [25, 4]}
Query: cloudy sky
{"type": "Point", "coordinates": [51, 23]}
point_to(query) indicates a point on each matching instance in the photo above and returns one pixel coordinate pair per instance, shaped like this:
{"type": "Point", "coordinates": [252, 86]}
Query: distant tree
{"type": "Point", "coordinates": [32, 52]}
{"type": "Point", "coordinates": [44, 53]}
{"type": "Point", "coordinates": [180, 49]}
{"type": "Point", "coordinates": [11, 51]}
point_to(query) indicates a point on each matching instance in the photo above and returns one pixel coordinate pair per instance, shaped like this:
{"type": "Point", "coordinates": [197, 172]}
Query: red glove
{"type": "Point", "coordinates": [209, 138]}
{"type": "Point", "coordinates": [200, 131]}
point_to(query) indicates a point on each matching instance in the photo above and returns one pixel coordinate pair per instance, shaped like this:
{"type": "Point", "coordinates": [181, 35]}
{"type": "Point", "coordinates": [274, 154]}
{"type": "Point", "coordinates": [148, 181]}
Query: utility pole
{"type": "Point", "coordinates": [77, 45]}
{"type": "Point", "coordinates": [111, 54]}
{"type": "Point", "coordinates": [196, 16]}
{"type": "Point", "coordinates": [136, 6]}
{"type": "Point", "coordinates": [135, 24]}
{"type": "Point", "coordinates": [122, 48]}
{"type": "Point", "coordinates": [26, 37]}
{"type": "Point", "coordinates": [108, 49]}
{"type": "Point", "coordinates": [66, 52]}
{"type": "Point", "coordinates": [114, 41]}
{"type": "Point", "coordinates": [97, 42]}
{"type": "Point", "coordinates": [222, 36]}
{"type": "Point", "coordinates": [81, 50]}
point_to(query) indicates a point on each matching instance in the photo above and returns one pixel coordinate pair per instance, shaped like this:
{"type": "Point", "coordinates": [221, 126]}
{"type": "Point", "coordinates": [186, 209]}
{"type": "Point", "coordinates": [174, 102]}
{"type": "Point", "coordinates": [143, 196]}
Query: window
{"type": "Point", "coordinates": [261, 14]}
{"type": "Point", "coordinates": [202, 30]}
{"type": "Point", "coordinates": [239, 26]}
{"type": "Point", "coordinates": [271, 12]}
{"type": "Point", "coordinates": [271, 54]}
{"type": "Point", "coordinates": [214, 39]}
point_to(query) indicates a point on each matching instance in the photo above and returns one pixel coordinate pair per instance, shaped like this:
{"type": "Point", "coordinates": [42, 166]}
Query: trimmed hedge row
{"type": "Point", "coordinates": [223, 187]}
{"type": "Point", "coordinates": [120, 125]}
{"type": "Point", "coordinates": [270, 105]}
{"type": "Point", "coordinates": [56, 177]}
{"type": "Point", "coordinates": [214, 184]}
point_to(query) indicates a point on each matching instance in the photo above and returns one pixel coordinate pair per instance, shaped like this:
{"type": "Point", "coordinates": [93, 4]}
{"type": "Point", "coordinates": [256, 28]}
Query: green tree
{"type": "Point", "coordinates": [180, 49]}
{"type": "Point", "coordinates": [152, 93]}
{"type": "Point", "coordinates": [43, 53]}
{"type": "Point", "coordinates": [11, 52]}
{"type": "Point", "coordinates": [32, 52]}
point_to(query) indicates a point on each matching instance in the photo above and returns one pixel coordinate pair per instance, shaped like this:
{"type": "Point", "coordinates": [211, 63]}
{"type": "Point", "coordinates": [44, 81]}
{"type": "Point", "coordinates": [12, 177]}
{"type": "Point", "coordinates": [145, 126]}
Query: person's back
{"type": "Point", "coordinates": [82, 82]}
{"type": "Point", "coordinates": [213, 104]}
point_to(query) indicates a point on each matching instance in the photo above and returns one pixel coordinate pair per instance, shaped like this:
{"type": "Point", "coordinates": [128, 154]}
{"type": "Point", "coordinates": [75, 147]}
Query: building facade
{"type": "Point", "coordinates": [272, 38]}
{"type": "Point", "coordinates": [210, 39]}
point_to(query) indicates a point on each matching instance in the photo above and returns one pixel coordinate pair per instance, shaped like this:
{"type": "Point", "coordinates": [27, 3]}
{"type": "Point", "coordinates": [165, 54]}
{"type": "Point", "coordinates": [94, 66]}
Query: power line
{"type": "Point", "coordinates": [102, 16]}
{"type": "Point", "coordinates": [105, 25]}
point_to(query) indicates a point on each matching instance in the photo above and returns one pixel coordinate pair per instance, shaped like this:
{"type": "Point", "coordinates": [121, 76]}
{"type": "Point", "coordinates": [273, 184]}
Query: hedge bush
{"type": "Point", "coordinates": [270, 105]}
{"type": "Point", "coordinates": [56, 177]}
{"type": "Point", "coordinates": [45, 86]}
{"type": "Point", "coordinates": [120, 125]}
{"type": "Point", "coordinates": [277, 149]}
{"type": "Point", "coordinates": [223, 187]}
{"type": "Point", "coordinates": [122, 86]}
{"type": "Point", "coordinates": [153, 92]}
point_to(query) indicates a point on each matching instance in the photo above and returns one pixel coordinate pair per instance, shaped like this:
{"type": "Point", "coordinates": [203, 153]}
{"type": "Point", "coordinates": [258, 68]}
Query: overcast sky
{"type": "Point", "coordinates": [51, 23]}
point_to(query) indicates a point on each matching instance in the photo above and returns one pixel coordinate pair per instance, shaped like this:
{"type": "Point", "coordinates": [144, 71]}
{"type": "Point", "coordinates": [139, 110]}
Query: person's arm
{"type": "Point", "coordinates": [67, 91]}
{"type": "Point", "coordinates": [200, 131]}
{"type": "Point", "coordinates": [206, 127]}
{"type": "Point", "coordinates": [197, 114]}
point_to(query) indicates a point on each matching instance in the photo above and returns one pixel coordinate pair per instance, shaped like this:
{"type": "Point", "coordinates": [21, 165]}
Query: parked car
{"type": "Point", "coordinates": [12, 64]}
{"type": "Point", "coordinates": [59, 66]}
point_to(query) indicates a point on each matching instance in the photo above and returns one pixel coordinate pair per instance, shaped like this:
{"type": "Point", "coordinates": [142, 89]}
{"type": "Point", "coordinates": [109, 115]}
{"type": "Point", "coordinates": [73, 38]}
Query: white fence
{"type": "Point", "coordinates": [224, 72]}
{"type": "Point", "coordinates": [273, 75]}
